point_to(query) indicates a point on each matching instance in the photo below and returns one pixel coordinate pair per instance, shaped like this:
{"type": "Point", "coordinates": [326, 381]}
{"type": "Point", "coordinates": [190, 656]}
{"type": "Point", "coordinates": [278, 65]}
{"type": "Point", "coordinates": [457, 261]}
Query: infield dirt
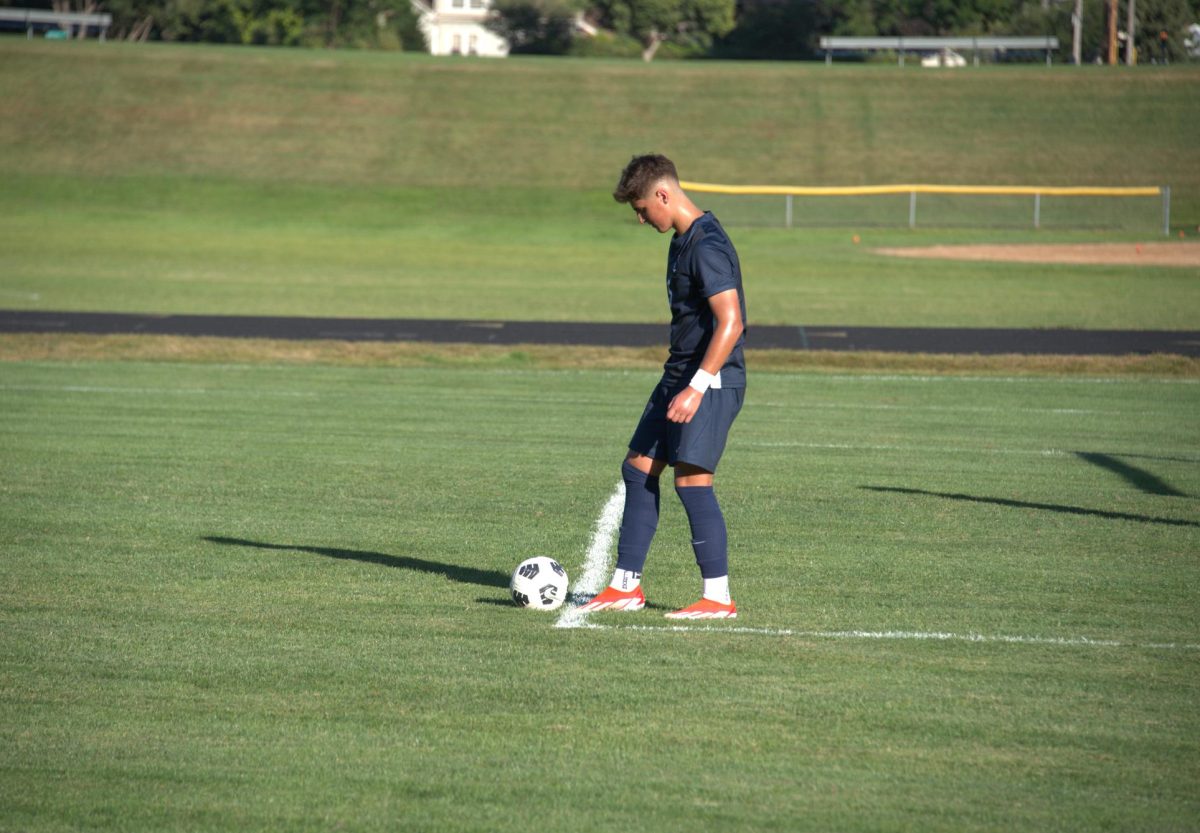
{"type": "Point", "coordinates": [1109, 254]}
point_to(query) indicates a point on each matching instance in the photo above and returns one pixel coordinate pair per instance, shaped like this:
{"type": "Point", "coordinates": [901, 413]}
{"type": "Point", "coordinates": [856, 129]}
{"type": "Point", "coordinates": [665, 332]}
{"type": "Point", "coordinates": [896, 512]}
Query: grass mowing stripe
{"type": "Point", "coordinates": [560, 400]}
{"type": "Point", "coordinates": [1039, 452]}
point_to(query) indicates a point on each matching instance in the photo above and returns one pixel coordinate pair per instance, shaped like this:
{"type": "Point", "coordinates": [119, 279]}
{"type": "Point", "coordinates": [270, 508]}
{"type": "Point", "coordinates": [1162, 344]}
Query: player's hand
{"type": "Point", "coordinates": [684, 406]}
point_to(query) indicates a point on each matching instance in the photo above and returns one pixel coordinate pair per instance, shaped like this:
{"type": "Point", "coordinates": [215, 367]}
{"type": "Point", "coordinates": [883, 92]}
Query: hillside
{"type": "Point", "coordinates": [408, 120]}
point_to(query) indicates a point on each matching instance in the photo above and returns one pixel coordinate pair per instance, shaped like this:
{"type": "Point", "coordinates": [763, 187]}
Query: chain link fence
{"type": "Point", "coordinates": [1142, 209]}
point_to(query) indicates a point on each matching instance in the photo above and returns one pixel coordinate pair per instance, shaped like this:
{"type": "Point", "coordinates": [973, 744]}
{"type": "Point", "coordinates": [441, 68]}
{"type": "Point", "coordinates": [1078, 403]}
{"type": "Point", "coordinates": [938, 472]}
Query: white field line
{"type": "Point", "coordinates": [920, 636]}
{"type": "Point", "coordinates": [153, 391]}
{"type": "Point", "coordinates": [953, 409]}
{"type": "Point", "coordinates": [1037, 452]}
{"type": "Point", "coordinates": [595, 564]}
{"type": "Point", "coordinates": [950, 379]}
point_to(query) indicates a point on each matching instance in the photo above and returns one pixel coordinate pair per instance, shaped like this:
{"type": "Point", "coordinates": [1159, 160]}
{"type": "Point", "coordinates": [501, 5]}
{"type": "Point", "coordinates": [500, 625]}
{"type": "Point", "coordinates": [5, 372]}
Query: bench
{"type": "Point", "coordinates": [32, 18]}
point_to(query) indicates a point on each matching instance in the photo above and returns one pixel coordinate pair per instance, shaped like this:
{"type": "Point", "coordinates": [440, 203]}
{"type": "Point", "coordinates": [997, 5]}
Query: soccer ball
{"type": "Point", "coordinates": [539, 583]}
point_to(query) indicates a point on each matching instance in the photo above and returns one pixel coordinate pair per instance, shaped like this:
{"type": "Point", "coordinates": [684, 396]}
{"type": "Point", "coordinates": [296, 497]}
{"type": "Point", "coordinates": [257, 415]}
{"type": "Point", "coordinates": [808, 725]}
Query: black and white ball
{"type": "Point", "coordinates": [539, 583]}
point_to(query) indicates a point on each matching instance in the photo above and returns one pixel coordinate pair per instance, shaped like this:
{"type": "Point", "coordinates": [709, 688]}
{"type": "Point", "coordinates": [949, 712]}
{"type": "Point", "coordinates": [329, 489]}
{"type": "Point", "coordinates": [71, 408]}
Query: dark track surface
{"type": "Point", "coordinates": [885, 339]}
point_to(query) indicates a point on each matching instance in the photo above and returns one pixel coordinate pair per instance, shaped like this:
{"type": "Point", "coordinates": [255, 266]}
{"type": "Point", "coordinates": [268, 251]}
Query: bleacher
{"type": "Point", "coordinates": [927, 45]}
{"type": "Point", "coordinates": [32, 20]}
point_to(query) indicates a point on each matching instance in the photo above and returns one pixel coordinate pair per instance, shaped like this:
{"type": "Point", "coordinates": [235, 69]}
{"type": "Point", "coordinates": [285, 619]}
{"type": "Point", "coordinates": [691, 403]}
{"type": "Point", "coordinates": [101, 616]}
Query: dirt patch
{"type": "Point", "coordinates": [1110, 254]}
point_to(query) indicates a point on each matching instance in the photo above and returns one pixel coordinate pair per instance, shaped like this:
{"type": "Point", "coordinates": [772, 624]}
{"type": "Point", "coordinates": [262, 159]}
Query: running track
{"type": "Point", "coordinates": [884, 339]}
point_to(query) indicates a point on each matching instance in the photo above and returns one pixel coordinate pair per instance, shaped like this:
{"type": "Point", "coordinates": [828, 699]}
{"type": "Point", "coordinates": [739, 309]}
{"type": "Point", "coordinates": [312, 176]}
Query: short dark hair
{"type": "Point", "coordinates": [640, 175]}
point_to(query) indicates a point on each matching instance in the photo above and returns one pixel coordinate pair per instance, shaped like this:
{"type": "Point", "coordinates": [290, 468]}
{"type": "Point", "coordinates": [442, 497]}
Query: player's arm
{"type": "Point", "coordinates": [727, 312]}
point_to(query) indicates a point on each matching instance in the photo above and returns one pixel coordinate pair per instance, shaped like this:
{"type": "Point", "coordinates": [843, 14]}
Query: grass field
{"type": "Point", "coordinates": [245, 248]}
{"type": "Point", "coordinates": [263, 597]}
{"type": "Point", "coordinates": [262, 586]}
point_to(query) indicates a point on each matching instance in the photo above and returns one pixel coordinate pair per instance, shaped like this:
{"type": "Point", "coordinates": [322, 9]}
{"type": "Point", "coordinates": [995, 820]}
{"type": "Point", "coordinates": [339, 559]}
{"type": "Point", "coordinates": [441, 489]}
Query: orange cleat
{"type": "Point", "coordinates": [705, 609]}
{"type": "Point", "coordinates": [613, 599]}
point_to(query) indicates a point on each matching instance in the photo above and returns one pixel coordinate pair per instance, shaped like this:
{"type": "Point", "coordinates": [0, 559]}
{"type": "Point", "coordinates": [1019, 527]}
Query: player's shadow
{"type": "Point", "coordinates": [453, 572]}
{"type": "Point", "coordinates": [1047, 507]}
{"type": "Point", "coordinates": [1135, 476]}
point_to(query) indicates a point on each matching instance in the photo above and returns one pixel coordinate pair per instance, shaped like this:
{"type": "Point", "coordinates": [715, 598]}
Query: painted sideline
{"type": "Point", "coordinates": [918, 636]}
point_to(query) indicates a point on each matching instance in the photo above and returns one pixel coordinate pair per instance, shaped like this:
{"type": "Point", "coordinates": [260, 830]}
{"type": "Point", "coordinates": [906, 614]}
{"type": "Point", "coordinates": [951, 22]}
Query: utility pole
{"type": "Point", "coordinates": [1077, 33]}
{"type": "Point", "coordinates": [1112, 32]}
{"type": "Point", "coordinates": [1130, 27]}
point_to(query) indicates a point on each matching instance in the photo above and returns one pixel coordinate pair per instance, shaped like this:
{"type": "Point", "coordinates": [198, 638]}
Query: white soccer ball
{"type": "Point", "coordinates": [539, 583]}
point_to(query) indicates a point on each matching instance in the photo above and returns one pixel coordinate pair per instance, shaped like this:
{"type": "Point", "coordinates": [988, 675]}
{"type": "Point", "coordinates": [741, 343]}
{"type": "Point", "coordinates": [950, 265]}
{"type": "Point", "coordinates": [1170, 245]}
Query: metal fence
{"type": "Point", "coordinates": [925, 45]}
{"type": "Point", "coordinates": [980, 206]}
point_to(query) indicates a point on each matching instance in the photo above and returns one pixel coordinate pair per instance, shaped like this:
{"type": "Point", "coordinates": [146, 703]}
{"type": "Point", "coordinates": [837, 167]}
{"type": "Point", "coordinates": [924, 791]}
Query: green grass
{"type": "Point", "coordinates": [160, 245]}
{"type": "Point", "coordinates": [366, 119]}
{"type": "Point", "coordinates": [272, 597]}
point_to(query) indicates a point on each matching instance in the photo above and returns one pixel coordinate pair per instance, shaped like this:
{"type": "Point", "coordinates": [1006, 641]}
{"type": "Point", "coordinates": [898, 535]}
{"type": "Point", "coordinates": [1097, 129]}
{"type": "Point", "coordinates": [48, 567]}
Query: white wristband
{"type": "Point", "coordinates": [702, 381]}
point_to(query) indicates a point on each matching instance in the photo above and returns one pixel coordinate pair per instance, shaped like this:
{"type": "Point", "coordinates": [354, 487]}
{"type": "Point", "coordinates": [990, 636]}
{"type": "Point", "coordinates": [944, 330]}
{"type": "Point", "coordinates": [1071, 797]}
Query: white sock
{"type": "Point", "coordinates": [625, 580]}
{"type": "Point", "coordinates": [717, 589]}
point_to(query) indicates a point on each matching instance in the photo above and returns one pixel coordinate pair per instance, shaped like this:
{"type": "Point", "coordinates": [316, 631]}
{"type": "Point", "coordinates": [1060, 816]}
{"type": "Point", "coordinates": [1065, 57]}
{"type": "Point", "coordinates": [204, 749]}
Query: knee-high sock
{"type": "Point", "coordinates": [640, 521]}
{"type": "Point", "coordinates": [709, 538]}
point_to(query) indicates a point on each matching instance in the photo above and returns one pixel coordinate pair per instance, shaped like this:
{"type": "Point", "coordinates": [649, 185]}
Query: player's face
{"type": "Point", "coordinates": [653, 211]}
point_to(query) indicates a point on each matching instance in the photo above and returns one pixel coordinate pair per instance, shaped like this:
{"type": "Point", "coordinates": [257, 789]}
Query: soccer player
{"type": "Point", "coordinates": [687, 419]}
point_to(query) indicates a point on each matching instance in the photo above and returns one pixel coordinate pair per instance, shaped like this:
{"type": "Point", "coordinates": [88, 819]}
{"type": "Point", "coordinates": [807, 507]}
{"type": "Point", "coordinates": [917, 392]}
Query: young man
{"type": "Point", "coordinates": [687, 419]}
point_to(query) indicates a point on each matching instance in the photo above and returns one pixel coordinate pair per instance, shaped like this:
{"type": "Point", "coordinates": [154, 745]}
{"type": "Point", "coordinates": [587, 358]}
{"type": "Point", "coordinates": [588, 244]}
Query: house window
{"type": "Point", "coordinates": [476, 4]}
{"type": "Point", "coordinates": [456, 47]}
{"type": "Point", "coordinates": [473, 45]}
{"type": "Point", "coordinates": [458, 4]}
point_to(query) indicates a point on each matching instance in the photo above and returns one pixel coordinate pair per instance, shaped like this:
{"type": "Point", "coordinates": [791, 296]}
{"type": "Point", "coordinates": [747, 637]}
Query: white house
{"type": "Point", "coordinates": [455, 27]}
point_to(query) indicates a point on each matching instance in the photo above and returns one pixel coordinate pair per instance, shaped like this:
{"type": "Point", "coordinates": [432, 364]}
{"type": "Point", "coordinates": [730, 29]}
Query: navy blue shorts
{"type": "Point", "coordinates": [699, 442]}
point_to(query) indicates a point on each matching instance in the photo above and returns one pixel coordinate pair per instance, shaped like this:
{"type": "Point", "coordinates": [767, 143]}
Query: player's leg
{"type": "Point", "coordinates": [639, 521]}
{"type": "Point", "coordinates": [640, 473]}
{"type": "Point", "coordinates": [702, 442]}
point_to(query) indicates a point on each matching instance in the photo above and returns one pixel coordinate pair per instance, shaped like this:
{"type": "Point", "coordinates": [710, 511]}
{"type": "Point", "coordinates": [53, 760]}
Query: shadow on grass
{"type": "Point", "coordinates": [454, 572]}
{"type": "Point", "coordinates": [506, 602]}
{"type": "Point", "coordinates": [1047, 507]}
{"type": "Point", "coordinates": [1139, 478]}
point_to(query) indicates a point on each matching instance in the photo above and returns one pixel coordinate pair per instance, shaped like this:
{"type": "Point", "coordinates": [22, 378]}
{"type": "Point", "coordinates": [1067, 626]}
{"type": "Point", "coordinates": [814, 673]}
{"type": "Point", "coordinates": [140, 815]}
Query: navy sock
{"type": "Point", "coordinates": [709, 539]}
{"type": "Point", "coordinates": [640, 520]}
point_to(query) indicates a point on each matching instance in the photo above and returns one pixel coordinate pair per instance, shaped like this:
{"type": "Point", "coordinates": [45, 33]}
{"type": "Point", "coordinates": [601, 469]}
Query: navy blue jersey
{"type": "Point", "coordinates": [701, 263]}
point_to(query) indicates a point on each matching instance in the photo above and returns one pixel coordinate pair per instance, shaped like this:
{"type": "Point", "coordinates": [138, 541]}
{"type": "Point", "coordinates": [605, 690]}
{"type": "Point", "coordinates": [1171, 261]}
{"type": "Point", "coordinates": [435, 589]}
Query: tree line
{"type": "Point", "coordinates": [741, 29]}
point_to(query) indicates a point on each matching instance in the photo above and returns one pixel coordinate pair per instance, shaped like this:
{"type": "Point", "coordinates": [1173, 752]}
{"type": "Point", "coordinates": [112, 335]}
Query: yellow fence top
{"type": "Point", "coordinates": [871, 190]}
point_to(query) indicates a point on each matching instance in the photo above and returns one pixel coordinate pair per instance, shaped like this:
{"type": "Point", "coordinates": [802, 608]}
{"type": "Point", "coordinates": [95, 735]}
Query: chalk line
{"type": "Point", "coordinates": [595, 565]}
{"type": "Point", "coordinates": [920, 636]}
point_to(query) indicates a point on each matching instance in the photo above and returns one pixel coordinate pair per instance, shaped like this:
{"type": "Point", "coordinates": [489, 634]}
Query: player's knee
{"type": "Point", "coordinates": [640, 462]}
{"type": "Point", "coordinates": [687, 475]}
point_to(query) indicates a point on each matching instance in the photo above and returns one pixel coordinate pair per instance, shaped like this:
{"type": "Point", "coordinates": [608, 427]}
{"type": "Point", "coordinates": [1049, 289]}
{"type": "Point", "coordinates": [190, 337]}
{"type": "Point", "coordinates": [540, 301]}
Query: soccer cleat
{"type": "Point", "coordinates": [613, 599]}
{"type": "Point", "coordinates": [705, 609]}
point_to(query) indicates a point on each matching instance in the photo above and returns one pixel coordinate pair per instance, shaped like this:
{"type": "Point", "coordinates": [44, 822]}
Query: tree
{"type": "Point", "coordinates": [368, 24]}
{"type": "Point", "coordinates": [925, 17]}
{"type": "Point", "coordinates": [777, 30]}
{"type": "Point", "coordinates": [654, 22]}
{"type": "Point", "coordinates": [1162, 16]}
{"type": "Point", "coordinates": [534, 27]}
